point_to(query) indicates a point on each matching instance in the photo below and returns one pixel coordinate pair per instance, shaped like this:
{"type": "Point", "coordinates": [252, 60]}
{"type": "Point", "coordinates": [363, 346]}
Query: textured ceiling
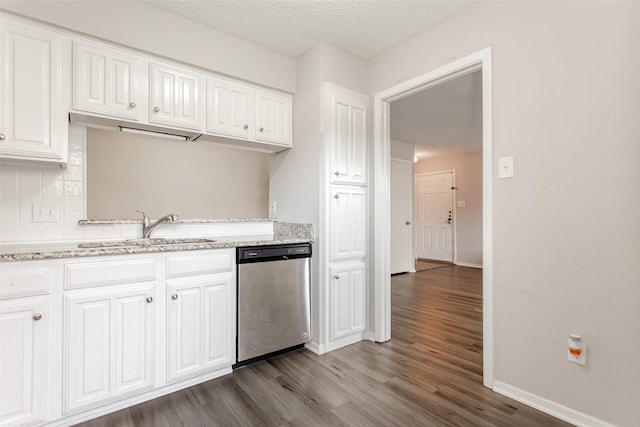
{"type": "Point", "coordinates": [363, 27]}
{"type": "Point", "coordinates": [443, 120]}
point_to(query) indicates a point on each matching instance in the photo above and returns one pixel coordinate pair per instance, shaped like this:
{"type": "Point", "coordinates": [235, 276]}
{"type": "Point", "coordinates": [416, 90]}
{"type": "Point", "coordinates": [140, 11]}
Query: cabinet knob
{"type": "Point", "coordinates": [245, 127]}
{"type": "Point", "coordinates": [132, 105]}
{"type": "Point", "coordinates": [337, 196]}
{"type": "Point", "coordinates": [2, 137]}
{"type": "Point", "coordinates": [408, 223]}
{"type": "Point", "coordinates": [156, 109]}
{"type": "Point", "coordinates": [336, 173]}
{"type": "Point", "coordinates": [37, 316]}
{"type": "Point", "coordinates": [261, 129]}
{"type": "Point", "coordinates": [336, 277]}
{"type": "Point", "coordinates": [174, 296]}
{"type": "Point", "coordinates": [149, 299]}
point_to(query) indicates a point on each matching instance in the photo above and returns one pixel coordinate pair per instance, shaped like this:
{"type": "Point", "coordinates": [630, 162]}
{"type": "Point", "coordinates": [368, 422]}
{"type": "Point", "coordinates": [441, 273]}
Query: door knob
{"type": "Point", "coordinates": [408, 223]}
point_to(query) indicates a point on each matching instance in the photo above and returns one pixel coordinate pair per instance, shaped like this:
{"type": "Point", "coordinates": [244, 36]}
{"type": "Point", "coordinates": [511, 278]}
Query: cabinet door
{"type": "Point", "coordinates": [175, 97]}
{"type": "Point", "coordinates": [273, 118]}
{"type": "Point", "coordinates": [347, 296]}
{"type": "Point", "coordinates": [347, 133]}
{"type": "Point", "coordinates": [200, 325]}
{"type": "Point", "coordinates": [229, 109]}
{"type": "Point", "coordinates": [107, 81]}
{"type": "Point", "coordinates": [348, 223]}
{"type": "Point", "coordinates": [23, 360]}
{"type": "Point", "coordinates": [109, 344]}
{"type": "Point", "coordinates": [33, 121]}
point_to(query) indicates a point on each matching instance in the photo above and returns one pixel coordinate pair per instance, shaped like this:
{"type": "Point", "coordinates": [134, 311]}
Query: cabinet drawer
{"type": "Point", "coordinates": [198, 264]}
{"type": "Point", "coordinates": [24, 279]}
{"type": "Point", "coordinates": [112, 272]}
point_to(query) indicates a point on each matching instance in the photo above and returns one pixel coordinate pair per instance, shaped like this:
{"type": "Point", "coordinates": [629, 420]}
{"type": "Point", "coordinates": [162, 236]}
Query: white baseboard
{"type": "Point", "coordinates": [314, 347]}
{"type": "Point", "coordinates": [469, 264]}
{"type": "Point", "coordinates": [369, 336]}
{"type": "Point", "coordinates": [548, 407]}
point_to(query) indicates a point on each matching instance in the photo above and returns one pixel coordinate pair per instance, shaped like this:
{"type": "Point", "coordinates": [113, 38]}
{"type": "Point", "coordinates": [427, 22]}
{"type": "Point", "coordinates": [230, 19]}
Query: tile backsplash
{"type": "Point", "coordinates": [23, 184]}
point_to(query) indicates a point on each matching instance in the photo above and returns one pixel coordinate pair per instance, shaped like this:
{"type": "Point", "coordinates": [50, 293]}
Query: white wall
{"type": "Point", "coordinates": [140, 26]}
{"type": "Point", "coordinates": [566, 232]}
{"type": "Point", "coordinates": [402, 150]}
{"type": "Point", "coordinates": [195, 180]}
{"type": "Point", "coordinates": [468, 219]}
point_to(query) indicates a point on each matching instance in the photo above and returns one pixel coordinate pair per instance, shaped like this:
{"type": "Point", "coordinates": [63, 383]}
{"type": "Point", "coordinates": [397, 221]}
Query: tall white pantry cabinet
{"type": "Point", "coordinates": [346, 215]}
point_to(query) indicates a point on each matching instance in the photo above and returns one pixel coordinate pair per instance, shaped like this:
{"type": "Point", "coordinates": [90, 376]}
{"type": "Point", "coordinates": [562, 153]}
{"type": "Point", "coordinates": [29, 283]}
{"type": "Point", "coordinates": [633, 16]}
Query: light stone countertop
{"type": "Point", "coordinates": [36, 251]}
{"type": "Point", "coordinates": [179, 221]}
{"type": "Point", "coordinates": [283, 233]}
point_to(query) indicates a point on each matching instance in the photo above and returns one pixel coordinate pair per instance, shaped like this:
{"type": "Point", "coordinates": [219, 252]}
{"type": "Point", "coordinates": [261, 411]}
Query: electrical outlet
{"type": "Point", "coordinates": [581, 359]}
{"type": "Point", "coordinates": [45, 212]}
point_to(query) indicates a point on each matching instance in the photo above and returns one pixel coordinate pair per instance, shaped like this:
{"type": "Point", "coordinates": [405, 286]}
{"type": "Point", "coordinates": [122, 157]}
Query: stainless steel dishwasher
{"type": "Point", "coordinates": [273, 300]}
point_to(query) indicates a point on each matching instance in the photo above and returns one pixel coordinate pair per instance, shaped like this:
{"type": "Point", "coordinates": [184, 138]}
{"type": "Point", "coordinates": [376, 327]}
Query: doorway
{"type": "Point", "coordinates": [381, 218]}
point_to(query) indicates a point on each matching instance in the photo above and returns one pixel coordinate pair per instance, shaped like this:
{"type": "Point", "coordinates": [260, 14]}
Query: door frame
{"type": "Point", "coordinates": [454, 213]}
{"type": "Point", "coordinates": [380, 243]}
{"type": "Point", "coordinates": [412, 252]}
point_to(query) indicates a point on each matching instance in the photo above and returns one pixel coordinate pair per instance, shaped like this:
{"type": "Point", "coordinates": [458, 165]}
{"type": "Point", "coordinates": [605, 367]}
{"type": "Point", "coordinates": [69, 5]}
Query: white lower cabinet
{"type": "Point", "coordinates": [109, 346]}
{"type": "Point", "coordinates": [200, 319]}
{"type": "Point", "coordinates": [24, 353]}
{"type": "Point", "coordinates": [347, 297]}
{"type": "Point", "coordinates": [83, 337]}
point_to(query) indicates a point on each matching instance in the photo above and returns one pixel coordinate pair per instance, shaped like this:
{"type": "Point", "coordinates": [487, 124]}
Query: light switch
{"type": "Point", "coordinates": [505, 167]}
{"type": "Point", "coordinates": [461, 203]}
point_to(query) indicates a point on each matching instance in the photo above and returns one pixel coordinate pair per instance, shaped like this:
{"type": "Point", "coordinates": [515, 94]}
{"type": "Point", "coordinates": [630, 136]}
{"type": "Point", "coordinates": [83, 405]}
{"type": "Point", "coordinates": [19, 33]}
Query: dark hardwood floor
{"type": "Point", "coordinates": [429, 374]}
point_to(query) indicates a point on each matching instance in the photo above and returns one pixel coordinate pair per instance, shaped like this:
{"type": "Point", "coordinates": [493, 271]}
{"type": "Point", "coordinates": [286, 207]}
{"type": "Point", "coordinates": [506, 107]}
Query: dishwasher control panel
{"type": "Point", "coordinates": [273, 253]}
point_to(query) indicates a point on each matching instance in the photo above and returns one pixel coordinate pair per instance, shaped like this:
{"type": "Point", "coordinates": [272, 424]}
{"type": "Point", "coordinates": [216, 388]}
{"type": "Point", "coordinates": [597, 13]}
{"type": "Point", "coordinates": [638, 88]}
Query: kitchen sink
{"type": "Point", "coordinates": [143, 242]}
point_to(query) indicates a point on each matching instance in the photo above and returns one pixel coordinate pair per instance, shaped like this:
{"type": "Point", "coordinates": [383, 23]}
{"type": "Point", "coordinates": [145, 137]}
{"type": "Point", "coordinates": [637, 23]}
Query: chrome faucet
{"type": "Point", "coordinates": [147, 226]}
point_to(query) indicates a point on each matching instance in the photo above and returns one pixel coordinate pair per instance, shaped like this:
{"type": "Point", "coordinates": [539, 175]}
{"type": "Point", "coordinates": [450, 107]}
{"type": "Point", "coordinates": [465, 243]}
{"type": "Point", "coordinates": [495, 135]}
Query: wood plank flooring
{"type": "Point", "coordinates": [429, 374]}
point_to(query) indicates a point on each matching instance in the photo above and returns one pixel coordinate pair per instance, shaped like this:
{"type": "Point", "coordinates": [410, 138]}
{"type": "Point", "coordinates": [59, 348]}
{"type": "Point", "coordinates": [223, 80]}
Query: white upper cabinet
{"type": "Point", "coordinates": [175, 96]}
{"type": "Point", "coordinates": [230, 109]}
{"type": "Point", "coordinates": [33, 93]}
{"type": "Point", "coordinates": [108, 81]}
{"type": "Point", "coordinates": [273, 118]}
{"type": "Point", "coordinates": [347, 136]}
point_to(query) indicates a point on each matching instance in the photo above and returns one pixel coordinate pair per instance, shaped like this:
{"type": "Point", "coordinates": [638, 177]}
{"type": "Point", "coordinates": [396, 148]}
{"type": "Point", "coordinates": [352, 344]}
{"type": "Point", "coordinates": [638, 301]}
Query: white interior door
{"type": "Point", "coordinates": [434, 196]}
{"type": "Point", "coordinates": [401, 195]}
